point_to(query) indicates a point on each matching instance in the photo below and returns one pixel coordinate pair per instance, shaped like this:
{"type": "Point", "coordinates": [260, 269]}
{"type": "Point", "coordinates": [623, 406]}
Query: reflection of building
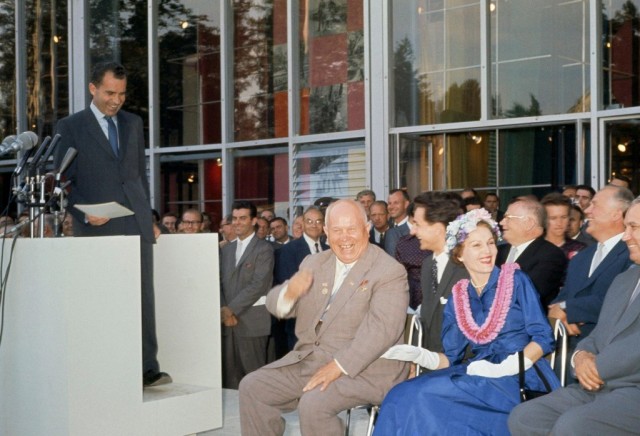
{"type": "Point", "coordinates": [283, 101]}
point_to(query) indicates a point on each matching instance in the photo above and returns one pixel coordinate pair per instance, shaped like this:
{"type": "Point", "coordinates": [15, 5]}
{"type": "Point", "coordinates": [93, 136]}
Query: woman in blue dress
{"type": "Point", "coordinates": [497, 313]}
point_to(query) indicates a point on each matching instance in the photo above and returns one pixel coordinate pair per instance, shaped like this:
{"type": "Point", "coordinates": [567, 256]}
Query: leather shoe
{"type": "Point", "coordinates": [155, 378]}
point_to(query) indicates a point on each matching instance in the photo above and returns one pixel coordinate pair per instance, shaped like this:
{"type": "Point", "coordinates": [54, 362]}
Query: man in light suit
{"type": "Point", "coordinates": [350, 303]}
{"type": "Point", "coordinates": [246, 275]}
{"type": "Point", "coordinates": [523, 226]}
{"type": "Point", "coordinates": [607, 365]}
{"type": "Point", "coordinates": [434, 210]}
{"type": "Point", "coordinates": [589, 276]}
{"type": "Point", "coordinates": [110, 166]}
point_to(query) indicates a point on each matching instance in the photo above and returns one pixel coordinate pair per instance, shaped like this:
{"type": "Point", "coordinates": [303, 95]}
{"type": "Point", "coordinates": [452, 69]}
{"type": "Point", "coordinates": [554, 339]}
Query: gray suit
{"type": "Point", "coordinates": [614, 408]}
{"type": "Point", "coordinates": [98, 176]}
{"type": "Point", "coordinates": [432, 306]}
{"type": "Point", "coordinates": [366, 317]}
{"type": "Point", "coordinates": [245, 345]}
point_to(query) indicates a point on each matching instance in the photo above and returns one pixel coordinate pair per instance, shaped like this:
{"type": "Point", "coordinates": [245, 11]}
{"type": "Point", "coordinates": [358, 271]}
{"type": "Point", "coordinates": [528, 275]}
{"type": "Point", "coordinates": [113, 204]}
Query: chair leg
{"type": "Point", "coordinates": [373, 415]}
{"type": "Point", "coordinates": [347, 423]}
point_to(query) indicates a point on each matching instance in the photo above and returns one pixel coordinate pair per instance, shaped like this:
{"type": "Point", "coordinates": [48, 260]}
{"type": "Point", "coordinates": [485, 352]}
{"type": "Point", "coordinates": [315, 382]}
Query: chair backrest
{"type": "Point", "coordinates": [415, 335]}
{"type": "Point", "coordinates": [560, 335]}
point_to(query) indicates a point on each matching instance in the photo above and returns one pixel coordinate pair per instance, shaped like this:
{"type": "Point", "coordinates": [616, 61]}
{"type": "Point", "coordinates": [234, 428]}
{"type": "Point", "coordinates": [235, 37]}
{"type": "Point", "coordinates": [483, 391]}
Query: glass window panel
{"type": "Point", "coordinates": [623, 150]}
{"type": "Point", "coordinates": [620, 53]}
{"type": "Point", "coordinates": [260, 69]}
{"type": "Point", "coordinates": [47, 63]}
{"type": "Point", "coordinates": [8, 122]}
{"type": "Point", "coordinates": [118, 32]}
{"type": "Point", "coordinates": [331, 66]}
{"type": "Point", "coordinates": [335, 170]}
{"type": "Point", "coordinates": [192, 181]}
{"type": "Point", "coordinates": [189, 64]}
{"type": "Point", "coordinates": [469, 160]}
{"type": "Point", "coordinates": [535, 44]}
{"type": "Point", "coordinates": [436, 61]}
{"type": "Point", "coordinates": [261, 175]}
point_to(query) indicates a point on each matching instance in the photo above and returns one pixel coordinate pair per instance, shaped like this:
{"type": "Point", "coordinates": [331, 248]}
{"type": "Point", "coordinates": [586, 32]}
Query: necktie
{"type": "Point", "coordinates": [513, 253]}
{"type": "Point", "coordinates": [597, 258]}
{"type": "Point", "coordinates": [382, 239]}
{"type": "Point", "coordinates": [336, 286]}
{"type": "Point", "coordinates": [434, 276]}
{"type": "Point", "coordinates": [317, 248]}
{"type": "Point", "coordinates": [113, 135]}
{"type": "Point", "coordinates": [238, 251]}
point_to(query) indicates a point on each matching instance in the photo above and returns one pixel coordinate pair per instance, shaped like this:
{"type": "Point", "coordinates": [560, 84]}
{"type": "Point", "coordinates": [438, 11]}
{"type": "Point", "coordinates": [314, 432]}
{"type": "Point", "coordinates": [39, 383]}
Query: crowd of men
{"type": "Point", "coordinates": [572, 244]}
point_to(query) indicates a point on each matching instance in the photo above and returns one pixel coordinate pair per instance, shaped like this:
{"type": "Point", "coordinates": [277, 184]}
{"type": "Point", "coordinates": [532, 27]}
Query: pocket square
{"type": "Point", "coordinates": [443, 300]}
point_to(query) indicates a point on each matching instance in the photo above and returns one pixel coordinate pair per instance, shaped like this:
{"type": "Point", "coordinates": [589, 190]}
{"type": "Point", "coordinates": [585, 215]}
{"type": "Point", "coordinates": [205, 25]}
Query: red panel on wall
{"type": "Point", "coordinates": [281, 176]}
{"type": "Point", "coordinates": [328, 60]}
{"type": "Point", "coordinates": [279, 22]}
{"type": "Point", "coordinates": [281, 105]}
{"type": "Point", "coordinates": [355, 17]}
{"type": "Point", "coordinates": [355, 102]}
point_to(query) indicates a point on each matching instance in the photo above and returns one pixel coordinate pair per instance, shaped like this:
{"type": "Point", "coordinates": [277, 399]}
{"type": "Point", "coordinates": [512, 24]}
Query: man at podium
{"type": "Point", "coordinates": [110, 167]}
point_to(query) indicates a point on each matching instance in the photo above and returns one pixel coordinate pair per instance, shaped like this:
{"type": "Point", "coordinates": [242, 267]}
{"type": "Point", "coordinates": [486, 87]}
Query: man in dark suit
{"type": "Point", "coordinates": [433, 212]}
{"type": "Point", "coordinates": [492, 205]}
{"type": "Point", "coordinates": [350, 303]}
{"type": "Point", "coordinates": [607, 365]}
{"type": "Point", "coordinates": [379, 218]}
{"type": "Point", "coordinates": [546, 264]}
{"type": "Point", "coordinates": [246, 275]}
{"type": "Point", "coordinates": [287, 263]}
{"type": "Point", "coordinates": [110, 166]}
{"type": "Point", "coordinates": [591, 271]}
{"type": "Point", "coordinates": [397, 205]}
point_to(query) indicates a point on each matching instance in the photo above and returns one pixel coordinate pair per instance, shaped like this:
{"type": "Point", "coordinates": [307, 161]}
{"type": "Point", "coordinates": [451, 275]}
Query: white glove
{"type": "Point", "coordinates": [508, 366]}
{"type": "Point", "coordinates": [409, 353]}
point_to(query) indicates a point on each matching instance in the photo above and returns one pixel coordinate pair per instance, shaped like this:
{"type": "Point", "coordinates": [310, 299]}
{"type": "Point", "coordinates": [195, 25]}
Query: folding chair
{"type": "Point", "coordinates": [415, 333]}
{"type": "Point", "coordinates": [562, 342]}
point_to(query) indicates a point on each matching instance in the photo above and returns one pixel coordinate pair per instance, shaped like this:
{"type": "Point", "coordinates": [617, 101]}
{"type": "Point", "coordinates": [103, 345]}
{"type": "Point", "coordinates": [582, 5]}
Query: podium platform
{"type": "Point", "coordinates": [70, 358]}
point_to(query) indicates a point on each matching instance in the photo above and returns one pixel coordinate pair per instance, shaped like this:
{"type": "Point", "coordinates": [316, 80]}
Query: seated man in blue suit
{"type": "Point", "coordinates": [592, 270]}
{"type": "Point", "coordinates": [607, 365]}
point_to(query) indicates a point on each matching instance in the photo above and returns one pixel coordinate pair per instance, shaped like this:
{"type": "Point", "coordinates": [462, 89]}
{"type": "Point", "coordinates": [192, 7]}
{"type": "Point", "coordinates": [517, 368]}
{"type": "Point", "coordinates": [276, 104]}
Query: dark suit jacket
{"type": "Point", "coordinates": [98, 176]}
{"type": "Point", "coordinates": [583, 294]}
{"type": "Point", "coordinates": [372, 237]}
{"type": "Point", "coordinates": [544, 263]}
{"type": "Point", "coordinates": [290, 256]}
{"type": "Point", "coordinates": [392, 237]}
{"type": "Point", "coordinates": [243, 285]}
{"type": "Point", "coordinates": [431, 311]}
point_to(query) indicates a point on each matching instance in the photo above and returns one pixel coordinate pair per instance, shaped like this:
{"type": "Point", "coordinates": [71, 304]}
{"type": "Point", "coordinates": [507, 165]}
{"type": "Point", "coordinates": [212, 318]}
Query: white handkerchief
{"type": "Point", "coordinates": [443, 300]}
{"type": "Point", "coordinates": [261, 301]}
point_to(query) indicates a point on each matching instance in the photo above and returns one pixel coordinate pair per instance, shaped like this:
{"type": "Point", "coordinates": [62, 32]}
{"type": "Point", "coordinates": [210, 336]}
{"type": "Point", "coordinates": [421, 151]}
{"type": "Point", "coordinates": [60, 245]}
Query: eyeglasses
{"type": "Point", "coordinates": [191, 223]}
{"type": "Point", "coordinates": [316, 222]}
{"type": "Point", "coordinates": [509, 217]}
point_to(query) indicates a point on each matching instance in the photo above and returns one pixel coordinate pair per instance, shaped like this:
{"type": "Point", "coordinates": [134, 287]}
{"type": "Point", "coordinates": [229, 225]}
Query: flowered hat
{"type": "Point", "coordinates": [459, 229]}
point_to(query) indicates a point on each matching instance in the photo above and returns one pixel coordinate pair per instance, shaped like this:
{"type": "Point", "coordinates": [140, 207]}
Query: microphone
{"type": "Point", "coordinates": [24, 141]}
{"type": "Point", "coordinates": [69, 156]}
{"type": "Point", "coordinates": [23, 162]}
{"type": "Point", "coordinates": [38, 154]}
{"type": "Point", "coordinates": [52, 146]}
{"type": "Point", "coordinates": [6, 142]}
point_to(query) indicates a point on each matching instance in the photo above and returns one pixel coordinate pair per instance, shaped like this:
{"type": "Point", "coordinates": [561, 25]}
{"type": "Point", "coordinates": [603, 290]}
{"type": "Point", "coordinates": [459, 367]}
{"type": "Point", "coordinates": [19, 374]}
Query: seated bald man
{"type": "Point", "coordinates": [350, 303]}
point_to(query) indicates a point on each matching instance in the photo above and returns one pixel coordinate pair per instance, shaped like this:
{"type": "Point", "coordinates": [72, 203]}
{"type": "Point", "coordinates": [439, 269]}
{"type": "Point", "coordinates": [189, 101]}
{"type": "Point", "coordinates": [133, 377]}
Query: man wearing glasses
{"type": "Point", "coordinates": [546, 264]}
{"type": "Point", "coordinates": [191, 222]}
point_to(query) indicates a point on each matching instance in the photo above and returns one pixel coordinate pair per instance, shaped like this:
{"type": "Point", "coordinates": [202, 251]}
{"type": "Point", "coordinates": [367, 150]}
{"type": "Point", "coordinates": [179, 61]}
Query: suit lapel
{"type": "Point", "coordinates": [248, 249]}
{"type": "Point", "coordinates": [606, 262]}
{"type": "Point", "coordinates": [628, 314]}
{"type": "Point", "coordinates": [123, 135]}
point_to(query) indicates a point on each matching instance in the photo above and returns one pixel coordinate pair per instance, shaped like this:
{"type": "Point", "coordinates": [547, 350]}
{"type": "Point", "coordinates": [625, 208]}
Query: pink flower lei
{"type": "Point", "coordinates": [497, 314]}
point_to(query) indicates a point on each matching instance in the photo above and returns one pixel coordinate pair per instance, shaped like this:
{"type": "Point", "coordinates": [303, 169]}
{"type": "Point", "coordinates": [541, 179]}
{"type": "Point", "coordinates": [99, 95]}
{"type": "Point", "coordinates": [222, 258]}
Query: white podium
{"type": "Point", "coordinates": [70, 358]}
